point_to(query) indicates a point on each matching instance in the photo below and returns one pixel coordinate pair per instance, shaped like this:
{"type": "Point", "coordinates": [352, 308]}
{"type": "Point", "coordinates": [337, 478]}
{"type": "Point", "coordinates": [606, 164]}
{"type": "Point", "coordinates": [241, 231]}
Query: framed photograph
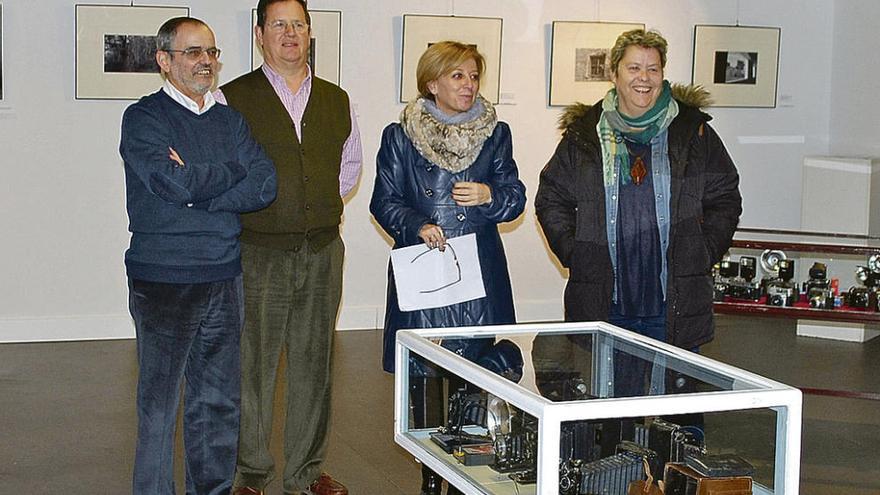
{"type": "Point", "coordinates": [580, 60]}
{"type": "Point", "coordinates": [421, 31]}
{"type": "Point", "coordinates": [116, 50]}
{"type": "Point", "coordinates": [325, 50]}
{"type": "Point", "coordinates": [738, 65]}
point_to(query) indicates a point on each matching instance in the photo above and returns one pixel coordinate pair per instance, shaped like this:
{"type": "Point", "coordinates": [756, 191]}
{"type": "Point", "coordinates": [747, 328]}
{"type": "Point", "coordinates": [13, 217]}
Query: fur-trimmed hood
{"type": "Point", "coordinates": [689, 94]}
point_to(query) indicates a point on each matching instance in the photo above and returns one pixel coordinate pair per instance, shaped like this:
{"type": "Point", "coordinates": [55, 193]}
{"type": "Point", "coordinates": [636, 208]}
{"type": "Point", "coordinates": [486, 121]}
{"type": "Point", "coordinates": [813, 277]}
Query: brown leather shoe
{"type": "Point", "coordinates": [246, 490]}
{"type": "Point", "coordinates": [326, 485]}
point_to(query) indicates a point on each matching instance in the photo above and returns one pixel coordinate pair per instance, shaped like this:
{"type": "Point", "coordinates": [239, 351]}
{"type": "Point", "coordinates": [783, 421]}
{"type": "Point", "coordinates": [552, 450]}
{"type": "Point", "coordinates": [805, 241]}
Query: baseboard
{"type": "Point", "coordinates": [360, 318]}
{"type": "Point", "coordinates": [534, 311]}
{"type": "Point", "coordinates": [64, 328]}
{"type": "Point", "coordinates": [107, 327]}
{"type": "Point", "coordinates": [373, 317]}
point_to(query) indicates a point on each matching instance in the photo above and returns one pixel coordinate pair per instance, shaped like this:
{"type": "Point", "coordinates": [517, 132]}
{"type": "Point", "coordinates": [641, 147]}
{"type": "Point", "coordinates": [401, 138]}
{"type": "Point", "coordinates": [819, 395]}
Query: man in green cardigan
{"type": "Point", "coordinates": [292, 252]}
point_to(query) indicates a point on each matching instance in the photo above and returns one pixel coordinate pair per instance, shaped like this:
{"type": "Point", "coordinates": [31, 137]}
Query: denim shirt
{"type": "Point", "coordinates": [662, 176]}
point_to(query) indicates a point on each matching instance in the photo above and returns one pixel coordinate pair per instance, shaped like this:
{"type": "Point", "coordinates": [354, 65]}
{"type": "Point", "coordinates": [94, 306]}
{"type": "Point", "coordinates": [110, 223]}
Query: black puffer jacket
{"type": "Point", "coordinates": [705, 207]}
{"type": "Point", "coordinates": [410, 192]}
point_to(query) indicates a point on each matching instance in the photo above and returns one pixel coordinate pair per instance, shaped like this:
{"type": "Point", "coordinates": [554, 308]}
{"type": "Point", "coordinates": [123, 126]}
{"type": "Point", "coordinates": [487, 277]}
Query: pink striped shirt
{"type": "Point", "coordinates": [295, 104]}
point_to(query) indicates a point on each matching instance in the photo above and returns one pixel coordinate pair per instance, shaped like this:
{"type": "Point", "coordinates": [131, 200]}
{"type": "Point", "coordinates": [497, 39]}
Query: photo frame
{"type": "Point", "coordinates": [580, 60]}
{"type": "Point", "coordinates": [738, 65]}
{"type": "Point", "coordinates": [325, 52]}
{"type": "Point", "coordinates": [420, 31]}
{"type": "Point", "coordinates": [113, 52]}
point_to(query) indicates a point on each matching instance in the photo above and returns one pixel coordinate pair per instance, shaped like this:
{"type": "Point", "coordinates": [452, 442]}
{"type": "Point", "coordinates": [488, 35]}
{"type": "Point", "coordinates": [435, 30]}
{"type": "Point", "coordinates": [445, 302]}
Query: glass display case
{"type": "Point", "coordinates": [584, 408]}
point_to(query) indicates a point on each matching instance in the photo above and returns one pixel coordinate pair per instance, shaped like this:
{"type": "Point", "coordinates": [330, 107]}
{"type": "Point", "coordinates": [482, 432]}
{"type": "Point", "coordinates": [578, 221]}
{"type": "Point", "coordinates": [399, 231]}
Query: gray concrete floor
{"type": "Point", "coordinates": [67, 421]}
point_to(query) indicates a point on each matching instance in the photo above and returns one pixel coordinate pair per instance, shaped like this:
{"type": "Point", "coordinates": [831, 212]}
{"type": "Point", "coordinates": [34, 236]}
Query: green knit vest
{"type": "Point", "coordinates": [308, 206]}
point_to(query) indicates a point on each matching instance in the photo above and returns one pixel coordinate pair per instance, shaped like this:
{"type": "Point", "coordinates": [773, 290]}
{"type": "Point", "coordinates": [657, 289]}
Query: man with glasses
{"type": "Point", "coordinates": [291, 252]}
{"type": "Point", "coordinates": [190, 168]}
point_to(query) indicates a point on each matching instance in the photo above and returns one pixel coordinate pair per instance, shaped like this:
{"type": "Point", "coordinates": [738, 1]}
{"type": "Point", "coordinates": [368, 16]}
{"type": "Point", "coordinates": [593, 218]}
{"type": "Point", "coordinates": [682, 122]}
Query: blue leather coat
{"type": "Point", "coordinates": [410, 192]}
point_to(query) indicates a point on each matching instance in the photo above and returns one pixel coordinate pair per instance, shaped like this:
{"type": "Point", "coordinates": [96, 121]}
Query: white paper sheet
{"type": "Point", "coordinates": [428, 278]}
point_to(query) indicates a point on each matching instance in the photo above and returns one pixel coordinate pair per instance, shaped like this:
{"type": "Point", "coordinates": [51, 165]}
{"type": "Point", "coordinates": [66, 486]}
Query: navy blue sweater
{"type": "Point", "coordinates": [184, 220]}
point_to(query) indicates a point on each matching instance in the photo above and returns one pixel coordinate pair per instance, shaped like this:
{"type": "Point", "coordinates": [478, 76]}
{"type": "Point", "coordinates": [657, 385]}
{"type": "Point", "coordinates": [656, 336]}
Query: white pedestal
{"type": "Point", "coordinates": [835, 330]}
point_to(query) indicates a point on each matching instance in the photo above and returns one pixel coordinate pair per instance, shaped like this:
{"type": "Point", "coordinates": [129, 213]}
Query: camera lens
{"type": "Point", "coordinates": [786, 269]}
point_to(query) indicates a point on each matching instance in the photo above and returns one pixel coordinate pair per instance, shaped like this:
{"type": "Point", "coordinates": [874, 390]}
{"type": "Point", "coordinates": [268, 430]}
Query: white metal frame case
{"type": "Point", "coordinates": [749, 391]}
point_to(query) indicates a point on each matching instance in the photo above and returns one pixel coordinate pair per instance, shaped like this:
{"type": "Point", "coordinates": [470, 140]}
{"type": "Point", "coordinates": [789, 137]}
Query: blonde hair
{"type": "Point", "coordinates": [440, 59]}
{"type": "Point", "coordinates": [638, 37]}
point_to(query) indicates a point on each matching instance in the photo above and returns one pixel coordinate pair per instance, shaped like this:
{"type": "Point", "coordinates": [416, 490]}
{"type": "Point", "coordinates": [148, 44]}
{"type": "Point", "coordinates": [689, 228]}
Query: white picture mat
{"type": "Point", "coordinates": [92, 23]}
{"type": "Point", "coordinates": [327, 32]}
{"type": "Point", "coordinates": [421, 30]}
{"type": "Point", "coordinates": [417, 281]}
{"type": "Point", "coordinates": [568, 36]}
{"type": "Point", "coordinates": [761, 40]}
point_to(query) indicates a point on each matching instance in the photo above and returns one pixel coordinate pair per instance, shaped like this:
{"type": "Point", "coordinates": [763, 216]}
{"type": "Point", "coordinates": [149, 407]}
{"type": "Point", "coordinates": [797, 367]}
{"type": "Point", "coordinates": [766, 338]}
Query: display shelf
{"type": "Point", "coordinates": [796, 312]}
{"type": "Point", "coordinates": [850, 246]}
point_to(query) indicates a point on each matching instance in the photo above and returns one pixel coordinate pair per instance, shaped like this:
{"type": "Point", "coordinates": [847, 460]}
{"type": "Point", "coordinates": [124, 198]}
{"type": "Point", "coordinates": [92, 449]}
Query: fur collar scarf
{"type": "Point", "coordinates": [691, 95]}
{"type": "Point", "coordinates": [452, 147]}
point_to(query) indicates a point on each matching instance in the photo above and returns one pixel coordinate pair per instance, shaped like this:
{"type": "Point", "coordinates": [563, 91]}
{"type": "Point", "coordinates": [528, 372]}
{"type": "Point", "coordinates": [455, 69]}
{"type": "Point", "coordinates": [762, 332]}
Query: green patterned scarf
{"type": "Point", "coordinates": [613, 127]}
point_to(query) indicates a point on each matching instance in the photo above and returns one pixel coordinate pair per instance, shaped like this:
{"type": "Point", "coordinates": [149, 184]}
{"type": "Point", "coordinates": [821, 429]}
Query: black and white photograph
{"type": "Point", "coordinates": [592, 64]}
{"type": "Point", "coordinates": [420, 31]}
{"type": "Point", "coordinates": [736, 67]}
{"type": "Point", "coordinates": [580, 60]}
{"type": "Point", "coordinates": [726, 63]}
{"type": "Point", "coordinates": [130, 53]}
{"type": "Point", "coordinates": [115, 50]}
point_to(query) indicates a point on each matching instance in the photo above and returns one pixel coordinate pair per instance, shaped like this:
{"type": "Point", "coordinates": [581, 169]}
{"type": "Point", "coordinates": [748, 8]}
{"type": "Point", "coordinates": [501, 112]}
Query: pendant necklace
{"type": "Point", "coordinates": [637, 170]}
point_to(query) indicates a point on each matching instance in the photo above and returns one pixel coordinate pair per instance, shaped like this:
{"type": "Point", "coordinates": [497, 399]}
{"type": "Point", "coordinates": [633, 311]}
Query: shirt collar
{"type": "Point", "coordinates": [186, 101]}
{"type": "Point", "coordinates": [277, 80]}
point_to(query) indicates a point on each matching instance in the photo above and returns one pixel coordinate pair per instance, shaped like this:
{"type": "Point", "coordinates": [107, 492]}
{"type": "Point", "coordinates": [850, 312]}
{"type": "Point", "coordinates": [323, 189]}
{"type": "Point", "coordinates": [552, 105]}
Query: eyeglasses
{"type": "Point", "coordinates": [457, 269]}
{"type": "Point", "coordinates": [280, 26]}
{"type": "Point", "coordinates": [195, 52]}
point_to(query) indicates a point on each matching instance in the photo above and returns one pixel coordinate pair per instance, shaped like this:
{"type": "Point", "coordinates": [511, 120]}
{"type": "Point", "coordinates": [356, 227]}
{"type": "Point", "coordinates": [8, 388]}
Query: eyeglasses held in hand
{"type": "Point", "coordinates": [280, 26]}
{"type": "Point", "coordinates": [457, 269]}
{"type": "Point", "coordinates": [195, 52]}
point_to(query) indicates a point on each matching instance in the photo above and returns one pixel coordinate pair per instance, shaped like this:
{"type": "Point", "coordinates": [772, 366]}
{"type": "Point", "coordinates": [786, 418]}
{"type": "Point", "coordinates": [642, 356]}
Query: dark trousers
{"type": "Point", "coordinates": [291, 303]}
{"type": "Point", "coordinates": [191, 332]}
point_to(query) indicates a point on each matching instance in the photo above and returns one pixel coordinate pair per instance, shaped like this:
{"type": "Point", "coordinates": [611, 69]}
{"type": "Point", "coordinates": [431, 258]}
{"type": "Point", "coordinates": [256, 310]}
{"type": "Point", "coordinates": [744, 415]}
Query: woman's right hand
{"type": "Point", "coordinates": [433, 236]}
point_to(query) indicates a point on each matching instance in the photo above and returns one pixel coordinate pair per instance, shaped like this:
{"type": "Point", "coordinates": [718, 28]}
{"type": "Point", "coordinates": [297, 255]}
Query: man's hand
{"type": "Point", "coordinates": [174, 156]}
{"type": "Point", "coordinates": [471, 194]}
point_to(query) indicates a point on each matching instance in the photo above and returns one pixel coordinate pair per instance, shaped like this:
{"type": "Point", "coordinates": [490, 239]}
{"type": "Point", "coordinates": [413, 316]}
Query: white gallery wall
{"type": "Point", "coordinates": [855, 125]}
{"type": "Point", "coordinates": [62, 204]}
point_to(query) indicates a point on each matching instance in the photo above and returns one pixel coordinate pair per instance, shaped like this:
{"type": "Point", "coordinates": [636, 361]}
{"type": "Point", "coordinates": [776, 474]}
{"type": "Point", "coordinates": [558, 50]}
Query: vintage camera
{"type": "Point", "coordinates": [516, 444]}
{"type": "Point", "coordinates": [719, 287]}
{"type": "Point", "coordinates": [781, 291]}
{"type": "Point", "coordinates": [867, 277]}
{"type": "Point", "coordinates": [742, 286]}
{"type": "Point", "coordinates": [861, 298]}
{"type": "Point", "coordinates": [868, 296]}
{"type": "Point", "coordinates": [818, 287]}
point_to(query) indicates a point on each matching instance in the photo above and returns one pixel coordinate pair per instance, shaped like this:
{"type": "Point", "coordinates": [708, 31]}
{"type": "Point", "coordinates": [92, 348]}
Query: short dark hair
{"type": "Point", "coordinates": [262, 5]}
{"type": "Point", "coordinates": [168, 31]}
